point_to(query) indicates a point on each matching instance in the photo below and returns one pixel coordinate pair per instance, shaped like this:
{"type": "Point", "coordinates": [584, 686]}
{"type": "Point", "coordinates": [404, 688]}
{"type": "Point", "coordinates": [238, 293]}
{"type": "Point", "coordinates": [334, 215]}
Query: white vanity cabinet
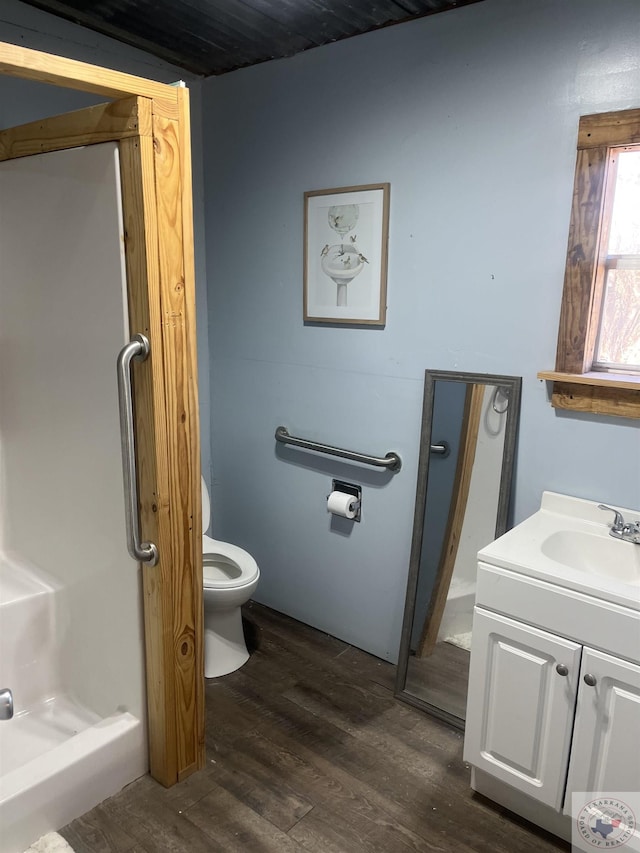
{"type": "Point", "coordinates": [545, 712]}
{"type": "Point", "coordinates": [605, 750]}
{"type": "Point", "coordinates": [520, 717]}
{"type": "Point", "coordinates": [553, 704]}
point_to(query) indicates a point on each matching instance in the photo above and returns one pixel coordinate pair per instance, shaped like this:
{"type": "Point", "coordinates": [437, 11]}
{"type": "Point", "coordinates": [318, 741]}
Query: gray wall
{"type": "Point", "coordinates": [448, 412]}
{"type": "Point", "coordinates": [22, 101]}
{"type": "Point", "coordinates": [472, 116]}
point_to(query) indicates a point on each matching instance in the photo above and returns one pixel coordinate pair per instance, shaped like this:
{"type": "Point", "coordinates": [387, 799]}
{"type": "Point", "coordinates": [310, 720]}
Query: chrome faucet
{"type": "Point", "coordinates": [628, 531]}
{"type": "Point", "coordinates": [6, 704]}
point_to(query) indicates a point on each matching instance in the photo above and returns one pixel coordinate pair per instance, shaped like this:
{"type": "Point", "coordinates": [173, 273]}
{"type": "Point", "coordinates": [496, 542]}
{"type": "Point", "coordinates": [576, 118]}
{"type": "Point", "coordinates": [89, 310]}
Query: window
{"type": "Point", "coordinates": [617, 346]}
{"type": "Point", "coordinates": [598, 356]}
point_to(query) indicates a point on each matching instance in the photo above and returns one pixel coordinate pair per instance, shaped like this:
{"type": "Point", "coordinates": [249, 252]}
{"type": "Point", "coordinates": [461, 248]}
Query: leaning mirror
{"type": "Point", "coordinates": [465, 469]}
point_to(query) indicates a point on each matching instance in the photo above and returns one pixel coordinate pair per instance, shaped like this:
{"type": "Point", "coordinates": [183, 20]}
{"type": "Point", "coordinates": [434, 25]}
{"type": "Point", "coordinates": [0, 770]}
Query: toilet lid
{"type": "Point", "coordinates": [225, 565]}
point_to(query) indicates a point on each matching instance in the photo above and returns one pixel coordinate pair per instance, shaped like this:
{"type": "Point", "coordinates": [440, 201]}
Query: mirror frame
{"type": "Point", "coordinates": [514, 383]}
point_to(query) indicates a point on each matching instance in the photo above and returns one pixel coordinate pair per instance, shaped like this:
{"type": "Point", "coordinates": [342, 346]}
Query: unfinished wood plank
{"type": "Point", "coordinates": [609, 129]}
{"type": "Point", "coordinates": [143, 280]}
{"type": "Point", "coordinates": [69, 73]}
{"type": "Point", "coordinates": [462, 481]}
{"type": "Point", "coordinates": [576, 314]}
{"type": "Point", "coordinates": [129, 117]}
{"type": "Point", "coordinates": [168, 109]}
{"type": "Point", "coordinates": [193, 446]}
{"type": "Point", "coordinates": [183, 446]}
{"type": "Point", "coordinates": [622, 402]}
{"type": "Point", "coordinates": [592, 377]}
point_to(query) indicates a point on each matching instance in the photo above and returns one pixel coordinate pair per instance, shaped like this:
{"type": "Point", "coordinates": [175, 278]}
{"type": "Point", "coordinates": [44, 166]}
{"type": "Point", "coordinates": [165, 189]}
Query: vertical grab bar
{"type": "Point", "coordinates": [138, 347]}
{"type": "Point", "coordinates": [6, 704]}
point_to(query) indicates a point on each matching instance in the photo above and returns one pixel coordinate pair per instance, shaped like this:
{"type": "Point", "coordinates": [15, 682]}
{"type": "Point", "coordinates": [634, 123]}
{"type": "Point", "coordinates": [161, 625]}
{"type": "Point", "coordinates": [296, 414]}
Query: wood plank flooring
{"type": "Point", "coordinates": [441, 679]}
{"type": "Point", "coordinates": [307, 750]}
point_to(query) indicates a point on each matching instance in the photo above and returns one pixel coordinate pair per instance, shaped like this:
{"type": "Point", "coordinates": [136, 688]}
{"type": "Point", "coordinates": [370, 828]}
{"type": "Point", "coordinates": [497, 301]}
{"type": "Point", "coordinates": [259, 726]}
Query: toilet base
{"type": "Point", "coordinates": [225, 649]}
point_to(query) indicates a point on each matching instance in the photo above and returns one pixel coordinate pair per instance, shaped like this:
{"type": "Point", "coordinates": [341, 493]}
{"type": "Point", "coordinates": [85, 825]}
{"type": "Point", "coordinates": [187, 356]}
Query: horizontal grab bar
{"type": "Point", "coordinates": [440, 449]}
{"type": "Point", "coordinates": [391, 461]}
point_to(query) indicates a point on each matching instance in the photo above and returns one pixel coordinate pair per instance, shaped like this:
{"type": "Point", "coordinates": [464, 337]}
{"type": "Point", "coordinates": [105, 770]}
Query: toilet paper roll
{"type": "Point", "coordinates": [339, 503]}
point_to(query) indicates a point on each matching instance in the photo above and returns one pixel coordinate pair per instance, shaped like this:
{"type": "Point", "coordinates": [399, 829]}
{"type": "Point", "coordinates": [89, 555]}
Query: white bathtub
{"type": "Point", "coordinates": [57, 758]}
{"type": "Point", "coordinates": [457, 618]}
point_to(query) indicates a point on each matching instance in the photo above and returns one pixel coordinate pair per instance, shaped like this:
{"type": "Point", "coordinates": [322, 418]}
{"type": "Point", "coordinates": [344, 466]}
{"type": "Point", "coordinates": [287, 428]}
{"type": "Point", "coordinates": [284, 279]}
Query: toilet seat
{"type": "Point", "coordinates": [226, 566]}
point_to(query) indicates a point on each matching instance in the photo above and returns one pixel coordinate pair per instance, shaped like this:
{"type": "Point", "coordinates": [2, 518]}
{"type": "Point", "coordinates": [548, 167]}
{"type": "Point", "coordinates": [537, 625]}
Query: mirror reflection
{"type": "Point", "coordinates": [462, 497]}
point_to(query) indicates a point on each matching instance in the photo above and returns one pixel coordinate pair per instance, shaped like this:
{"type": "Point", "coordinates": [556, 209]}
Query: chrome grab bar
{"type": "Point", "coordinates": [440, 449]}
{"type": "Point", "coordinates": [138, 348]}
{"type": "Point", "coordinates": [391, 461]}
{"type": "Point", "coordinates": [6, 704]}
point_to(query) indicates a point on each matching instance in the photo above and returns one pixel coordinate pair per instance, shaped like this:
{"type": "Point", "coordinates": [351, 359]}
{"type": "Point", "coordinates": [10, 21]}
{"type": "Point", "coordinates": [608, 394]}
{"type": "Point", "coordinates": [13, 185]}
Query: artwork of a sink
{"type": "Point", "coordinates": [342, 263]}
{"type": "Point", "coordinates": [346, 254]}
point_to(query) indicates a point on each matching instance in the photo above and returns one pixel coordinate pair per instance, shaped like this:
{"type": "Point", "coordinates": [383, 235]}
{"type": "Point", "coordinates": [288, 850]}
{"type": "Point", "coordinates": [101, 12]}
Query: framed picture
{"type": "Point", "coordinates": [346, 231]}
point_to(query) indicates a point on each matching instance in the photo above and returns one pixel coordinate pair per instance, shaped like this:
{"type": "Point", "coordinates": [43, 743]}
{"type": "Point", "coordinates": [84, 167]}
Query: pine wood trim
{"type": "Point", "coordinates": [129, 117]}
{"type": "Point", "coordinates": [462, 482]}
{"type": "Point", "coordinates": [69, 73]}
{"type": "Point", "coordinates": [176, 274]}
{"type": "Point", "coordinates": [141, 253]}
{"type": "Point", "coordinates": [184, 127]}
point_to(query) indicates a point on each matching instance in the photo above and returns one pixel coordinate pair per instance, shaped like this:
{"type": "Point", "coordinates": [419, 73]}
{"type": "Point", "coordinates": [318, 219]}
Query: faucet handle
{"type": "Point", "coordinates": [618, 521]}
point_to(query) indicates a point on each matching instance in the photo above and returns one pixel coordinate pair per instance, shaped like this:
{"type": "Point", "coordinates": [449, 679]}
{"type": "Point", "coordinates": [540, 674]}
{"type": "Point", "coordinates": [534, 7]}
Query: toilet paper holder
{"type": "Point", "coordinates": [349, 489]}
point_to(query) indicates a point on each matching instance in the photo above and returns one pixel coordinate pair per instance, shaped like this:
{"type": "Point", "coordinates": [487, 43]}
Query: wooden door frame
{"type": "Point", "coordinates": [150, 123]}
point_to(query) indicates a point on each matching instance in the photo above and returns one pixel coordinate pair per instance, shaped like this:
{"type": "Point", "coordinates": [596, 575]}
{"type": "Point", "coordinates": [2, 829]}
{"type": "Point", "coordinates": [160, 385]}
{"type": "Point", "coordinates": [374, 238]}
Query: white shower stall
{"type": "Point", "coordinates": [71, 622]}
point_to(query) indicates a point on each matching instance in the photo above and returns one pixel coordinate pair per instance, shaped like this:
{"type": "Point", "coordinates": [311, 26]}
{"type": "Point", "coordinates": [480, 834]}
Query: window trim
{"type": "Point", "coordinates": [575, 385]}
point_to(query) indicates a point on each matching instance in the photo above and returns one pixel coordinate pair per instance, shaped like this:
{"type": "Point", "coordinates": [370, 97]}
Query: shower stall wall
{"type": "Point", "coordinates": [105, 236]}
{"type": "Point", "coordinates": [71, 624]}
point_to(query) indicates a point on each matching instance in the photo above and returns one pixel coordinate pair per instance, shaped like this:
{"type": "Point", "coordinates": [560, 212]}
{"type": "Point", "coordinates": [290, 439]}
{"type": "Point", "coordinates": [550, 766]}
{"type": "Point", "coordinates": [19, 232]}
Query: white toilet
{"type": "Point", "coordinates": [231, 576]}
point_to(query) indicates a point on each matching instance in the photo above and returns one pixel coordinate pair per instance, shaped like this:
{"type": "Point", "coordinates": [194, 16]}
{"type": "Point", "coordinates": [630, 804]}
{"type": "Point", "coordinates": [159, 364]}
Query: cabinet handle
{"type": "Point", "coordinates": [561, 669]}
{"type": "Point", "coordinates": [591, 680]}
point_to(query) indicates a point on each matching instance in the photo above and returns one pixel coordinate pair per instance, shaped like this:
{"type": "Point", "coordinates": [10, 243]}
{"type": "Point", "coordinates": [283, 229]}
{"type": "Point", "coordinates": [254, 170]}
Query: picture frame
{"type": "Point", "coordinates": [346, 235]}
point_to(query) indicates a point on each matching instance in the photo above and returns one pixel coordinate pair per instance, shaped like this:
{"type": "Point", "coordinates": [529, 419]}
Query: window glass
{"type": "Point", "coordinates": [624, 236]}
{"type": "Point", "coordinates": [618, 344]}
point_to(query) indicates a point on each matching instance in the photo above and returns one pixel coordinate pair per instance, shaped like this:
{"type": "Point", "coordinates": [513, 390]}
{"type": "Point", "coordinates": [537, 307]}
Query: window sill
{"type": "Point", "coordinates": [616, 394]}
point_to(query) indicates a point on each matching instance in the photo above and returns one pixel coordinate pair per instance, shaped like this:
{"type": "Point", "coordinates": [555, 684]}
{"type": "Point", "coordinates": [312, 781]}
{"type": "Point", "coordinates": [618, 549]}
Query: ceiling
{"type": "Point", "coordinates": [208, 37]}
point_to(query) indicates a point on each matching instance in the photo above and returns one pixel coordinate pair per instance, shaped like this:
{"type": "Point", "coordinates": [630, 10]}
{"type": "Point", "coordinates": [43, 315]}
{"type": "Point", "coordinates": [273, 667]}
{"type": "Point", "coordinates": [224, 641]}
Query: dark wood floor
{"type": "Point", "coordinates": [307, 750]}
{"type": "Point", "coordinates": [441, 679]}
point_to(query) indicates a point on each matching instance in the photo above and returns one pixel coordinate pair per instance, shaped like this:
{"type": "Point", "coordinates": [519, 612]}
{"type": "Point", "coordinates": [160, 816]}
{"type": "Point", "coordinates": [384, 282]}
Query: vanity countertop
{"type": "Point", "coordinates": [567, 543]}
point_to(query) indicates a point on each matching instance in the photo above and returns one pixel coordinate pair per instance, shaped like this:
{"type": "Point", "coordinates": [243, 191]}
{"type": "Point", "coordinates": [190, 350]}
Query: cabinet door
{"type": "Point", "coordinates": [605, 755]}
{"type": "Point", "coordinates": [520, 709]}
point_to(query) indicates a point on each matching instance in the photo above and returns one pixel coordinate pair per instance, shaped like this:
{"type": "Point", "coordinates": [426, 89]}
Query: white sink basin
{"type": "Point", "coordinates": [596, 555]}
{"type": "Point", "coordinates": [567, 543]}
